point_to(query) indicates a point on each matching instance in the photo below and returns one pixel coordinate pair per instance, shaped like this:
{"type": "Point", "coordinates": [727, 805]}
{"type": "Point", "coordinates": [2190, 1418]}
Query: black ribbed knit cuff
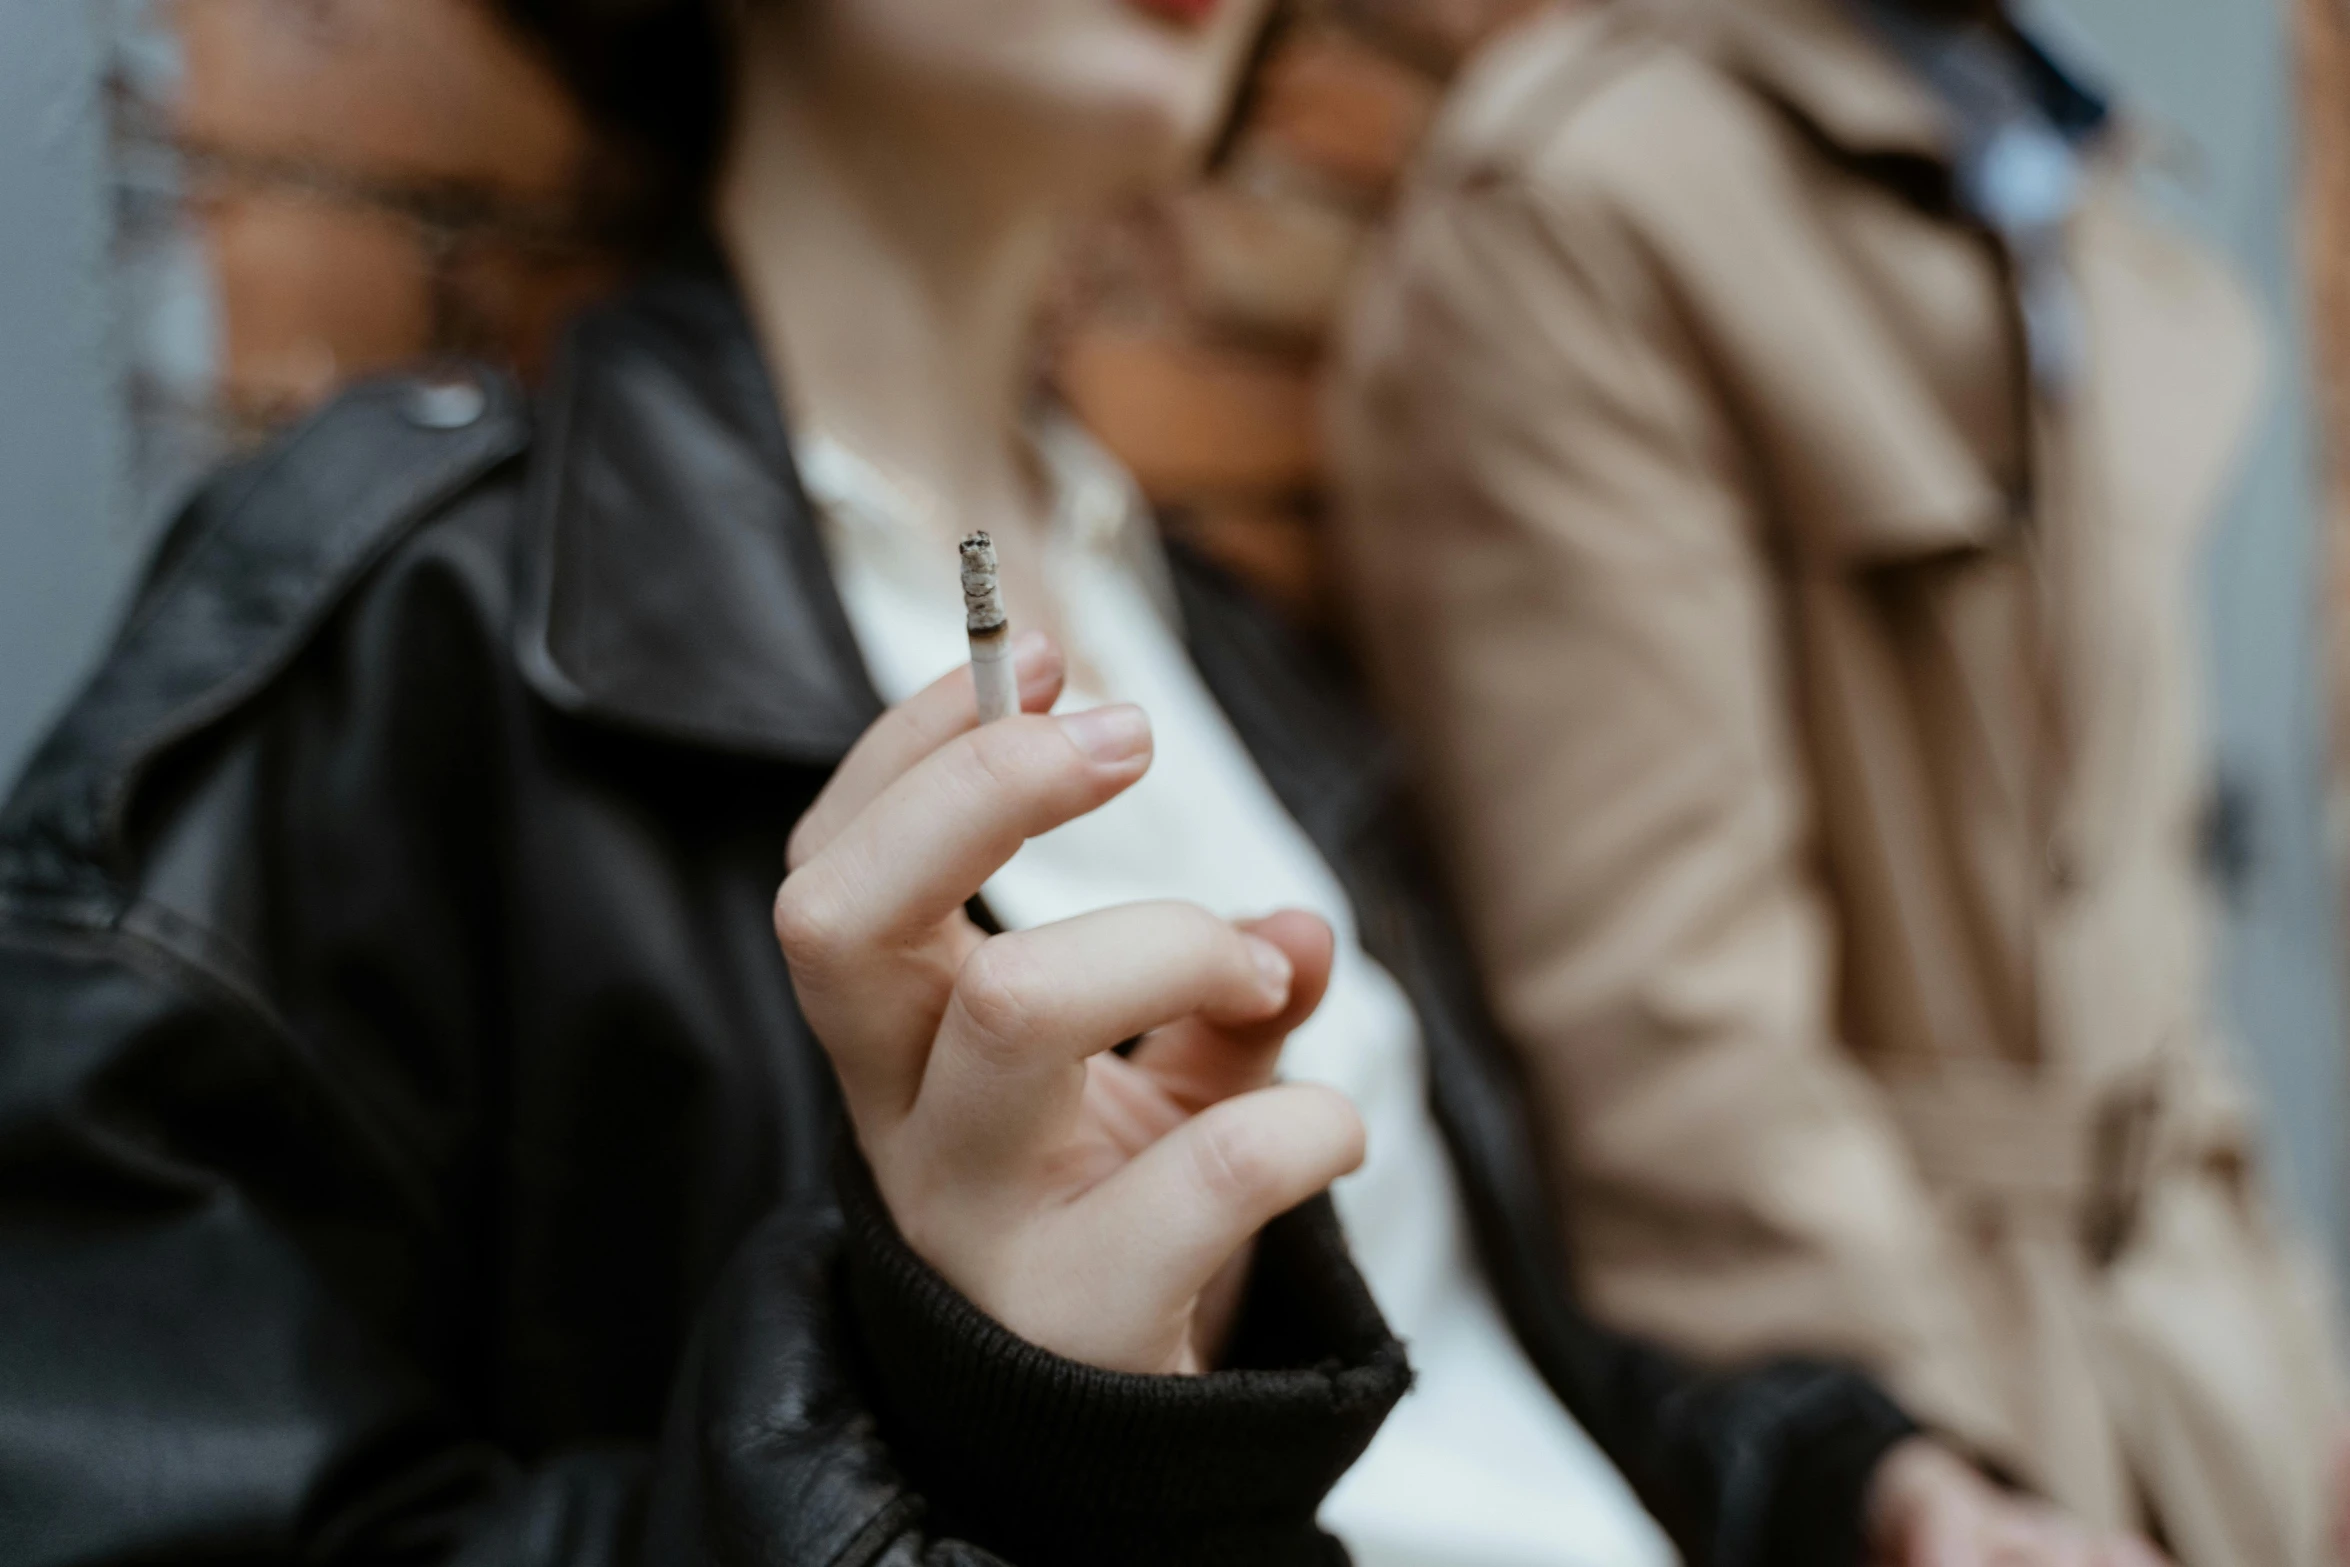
{"type": "Point", "coordinates": [1045, 1461]}
{"type": "Point", "coordinates": [1828, 1457]}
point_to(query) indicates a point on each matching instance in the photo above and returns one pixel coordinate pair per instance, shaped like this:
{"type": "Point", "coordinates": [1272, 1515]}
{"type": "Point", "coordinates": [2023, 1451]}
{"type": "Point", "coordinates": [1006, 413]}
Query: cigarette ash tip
{"type": "Point", "coordinates": [983, 600]}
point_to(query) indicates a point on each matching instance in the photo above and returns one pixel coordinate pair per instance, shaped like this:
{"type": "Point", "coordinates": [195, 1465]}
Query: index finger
{"type": "Point", "coordinates": [865, 925]}
{"type": "Point", "coordinates": [912, 730]}
{"type": "Point", "coordinates": [919, 853]}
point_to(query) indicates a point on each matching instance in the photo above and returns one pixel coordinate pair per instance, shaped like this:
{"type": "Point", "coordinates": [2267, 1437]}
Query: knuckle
{"type": "Point", "coordinates": [1219, 953]}
{"type": "Point", "coordinates": [810, 923]}
{"type": "Point", "coordinates": [1236, 1164]}
{"type": "Point", "coordinates": [1203, 942]}
{"type": "Point", "coordinates": [1214, 955]}
{"type": "Point", "coordinates": [1023, 756]}
{"type": "Point", "coordinates": [1225, 945]}
{"type": "Point", "coordinates": [1001, 994]}
{"type": "Point", "coordinates": [1195, 923]}
{"type": "Point", "coordinates": [798, 848]}
{"type": "Point", "coordinates": [925, 725]}
{"type": "Point", "coordinates": [998, 752]}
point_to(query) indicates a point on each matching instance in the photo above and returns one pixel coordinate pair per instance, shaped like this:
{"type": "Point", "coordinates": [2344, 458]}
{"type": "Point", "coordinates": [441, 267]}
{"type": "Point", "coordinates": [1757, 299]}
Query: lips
{"type": "Point", "coordinates": [1188, 12]}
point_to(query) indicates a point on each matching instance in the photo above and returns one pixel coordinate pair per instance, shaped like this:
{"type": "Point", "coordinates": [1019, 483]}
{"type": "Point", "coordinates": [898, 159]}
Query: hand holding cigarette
{"type": "Point", "coordinates": [1102, 1207]}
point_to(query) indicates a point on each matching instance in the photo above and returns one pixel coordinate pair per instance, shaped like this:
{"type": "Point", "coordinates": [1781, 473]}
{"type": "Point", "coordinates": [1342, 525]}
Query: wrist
{"type": "Point", "coordinates": [1045, 1460]}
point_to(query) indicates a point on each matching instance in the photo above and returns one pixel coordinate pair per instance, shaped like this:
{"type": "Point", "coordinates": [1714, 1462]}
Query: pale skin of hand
{"type": "Point", "coordinates": [1930, 1508]}
{"type": "Point", "coordinates": [1099, 1206]}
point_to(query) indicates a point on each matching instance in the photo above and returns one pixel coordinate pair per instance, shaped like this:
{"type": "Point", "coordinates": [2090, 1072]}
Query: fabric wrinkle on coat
{"type": "Point", "coordinates": [1805, 695]}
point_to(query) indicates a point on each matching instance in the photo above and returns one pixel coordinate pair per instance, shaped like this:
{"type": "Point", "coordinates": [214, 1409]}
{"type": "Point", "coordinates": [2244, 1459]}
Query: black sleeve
{"type": "Point", "coordinates": [1056, 1462]}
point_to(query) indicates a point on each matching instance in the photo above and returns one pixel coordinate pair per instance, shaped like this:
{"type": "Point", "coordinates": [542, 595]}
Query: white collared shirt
{"type": "Point", "coordinates": [1479, 1466]}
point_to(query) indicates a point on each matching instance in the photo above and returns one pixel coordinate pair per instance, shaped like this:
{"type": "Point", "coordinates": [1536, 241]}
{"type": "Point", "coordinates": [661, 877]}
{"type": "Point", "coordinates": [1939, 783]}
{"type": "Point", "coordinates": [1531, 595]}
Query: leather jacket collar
{"type": "Point", "coordinates": [674, 582]}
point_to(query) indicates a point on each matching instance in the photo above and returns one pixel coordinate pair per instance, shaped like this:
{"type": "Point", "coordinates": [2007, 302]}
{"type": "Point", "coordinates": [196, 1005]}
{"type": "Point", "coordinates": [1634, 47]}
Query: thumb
{"type": "Point", "coordinates": [1161, 1227]}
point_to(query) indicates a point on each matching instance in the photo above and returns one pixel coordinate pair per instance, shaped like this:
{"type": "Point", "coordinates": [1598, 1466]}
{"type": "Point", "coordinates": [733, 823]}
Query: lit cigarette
{"type": "Point", "coordinates": [991, 637]}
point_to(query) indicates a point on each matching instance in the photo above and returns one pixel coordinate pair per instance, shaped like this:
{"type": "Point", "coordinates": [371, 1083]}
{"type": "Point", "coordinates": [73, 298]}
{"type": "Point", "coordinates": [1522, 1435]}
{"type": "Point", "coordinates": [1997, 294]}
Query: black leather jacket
{"type": "Point", "coordinates": [410, 1149]}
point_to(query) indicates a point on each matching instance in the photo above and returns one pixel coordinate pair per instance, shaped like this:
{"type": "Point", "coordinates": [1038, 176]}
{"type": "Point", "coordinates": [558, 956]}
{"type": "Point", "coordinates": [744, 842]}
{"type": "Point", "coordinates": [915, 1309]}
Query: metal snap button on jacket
{"type": "Point", "coordinates": [448, 403]}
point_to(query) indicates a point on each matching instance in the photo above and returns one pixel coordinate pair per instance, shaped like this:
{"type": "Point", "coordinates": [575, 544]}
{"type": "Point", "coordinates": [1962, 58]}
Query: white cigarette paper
{"type": "Point", "coordinates": [991, 637]}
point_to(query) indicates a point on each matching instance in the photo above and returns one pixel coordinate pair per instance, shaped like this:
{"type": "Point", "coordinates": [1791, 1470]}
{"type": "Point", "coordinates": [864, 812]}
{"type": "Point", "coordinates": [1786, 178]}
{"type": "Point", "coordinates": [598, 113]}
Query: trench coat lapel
{"type": "Point", "coordinates": [1811, 58]}
{"type": "Point", "coordinates": [2116, 472]}
{"type": "Point", "coordinates": [2128, 467]}
{"type": "Point", "coordinates": [1868, 467]}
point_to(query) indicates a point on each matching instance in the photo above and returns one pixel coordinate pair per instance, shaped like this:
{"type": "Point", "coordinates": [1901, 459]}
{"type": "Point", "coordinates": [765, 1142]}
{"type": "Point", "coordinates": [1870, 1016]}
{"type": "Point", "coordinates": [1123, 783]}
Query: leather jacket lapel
{"type": "Point", "coordinates": [674, 583]}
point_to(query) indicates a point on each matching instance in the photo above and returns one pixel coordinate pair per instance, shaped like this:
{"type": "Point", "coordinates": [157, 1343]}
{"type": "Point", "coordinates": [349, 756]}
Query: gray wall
{"type": "Point", "coordinates": [63, 550]}
{"type": "Point", "coordinates": [2218, 81]}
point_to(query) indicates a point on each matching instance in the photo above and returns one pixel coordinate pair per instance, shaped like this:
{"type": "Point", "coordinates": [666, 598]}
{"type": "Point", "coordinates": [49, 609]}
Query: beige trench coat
{"type": "Point", "coordinates": [1805, 709]}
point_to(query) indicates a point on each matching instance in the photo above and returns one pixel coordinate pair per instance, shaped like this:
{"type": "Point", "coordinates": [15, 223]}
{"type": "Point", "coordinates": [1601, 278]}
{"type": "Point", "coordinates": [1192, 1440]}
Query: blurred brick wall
{"type": "Point", "coordinates": [344, 185]}
{"type": "Point", "coordinates": [1198, 322]}
{"type": "Point", "coordinates": [357, 183]}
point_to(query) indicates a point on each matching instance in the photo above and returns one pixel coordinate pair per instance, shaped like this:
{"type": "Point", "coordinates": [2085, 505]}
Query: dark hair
{"type": "Point", "coordinates": [652, 76]}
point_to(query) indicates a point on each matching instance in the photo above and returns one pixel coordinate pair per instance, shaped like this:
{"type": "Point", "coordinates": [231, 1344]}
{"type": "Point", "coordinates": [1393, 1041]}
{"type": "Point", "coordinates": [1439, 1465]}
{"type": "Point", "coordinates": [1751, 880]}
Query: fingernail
{"type": "Point", "coordinates": [1109, 734]}
{"type": "Point", "coordinates": [1273, 967]}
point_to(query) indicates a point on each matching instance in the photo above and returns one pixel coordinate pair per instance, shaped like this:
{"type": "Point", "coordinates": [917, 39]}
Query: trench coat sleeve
{"type": "Point", "coordinates": [249, 1247]}
{"type": "Point", "coordinates": [1568, 598]}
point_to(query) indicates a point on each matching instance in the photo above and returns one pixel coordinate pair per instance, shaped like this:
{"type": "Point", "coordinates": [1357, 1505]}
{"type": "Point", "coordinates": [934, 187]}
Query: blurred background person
{"type": "Point", "coordinates": [413, 1144]}
{"type": "Point", "coordinates": [1773, 451]}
